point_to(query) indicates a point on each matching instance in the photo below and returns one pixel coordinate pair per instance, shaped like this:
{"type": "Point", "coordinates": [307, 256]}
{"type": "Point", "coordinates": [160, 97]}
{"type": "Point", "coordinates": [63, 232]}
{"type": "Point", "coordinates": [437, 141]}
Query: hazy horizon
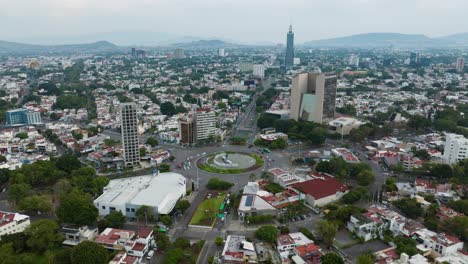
{"type": "Point", "coordinates": [259, 21]}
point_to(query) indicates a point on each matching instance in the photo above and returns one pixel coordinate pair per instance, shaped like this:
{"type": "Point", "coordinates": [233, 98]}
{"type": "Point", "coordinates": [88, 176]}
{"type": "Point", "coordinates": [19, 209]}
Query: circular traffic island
{"type": "Point", "coordinates": [230, 162]}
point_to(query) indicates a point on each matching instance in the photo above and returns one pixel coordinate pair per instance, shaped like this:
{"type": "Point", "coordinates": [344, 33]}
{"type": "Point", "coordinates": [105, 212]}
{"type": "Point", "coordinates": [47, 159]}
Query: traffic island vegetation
{"type": "Point", "coordinates": [207, 211]}
{"type": "Point", "coordinates": [207, 166]}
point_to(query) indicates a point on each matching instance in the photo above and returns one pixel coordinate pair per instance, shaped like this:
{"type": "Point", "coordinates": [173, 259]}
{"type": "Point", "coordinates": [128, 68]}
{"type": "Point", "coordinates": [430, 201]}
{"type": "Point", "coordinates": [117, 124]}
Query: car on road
{"type": "Point", "coordinates": [150, 254]}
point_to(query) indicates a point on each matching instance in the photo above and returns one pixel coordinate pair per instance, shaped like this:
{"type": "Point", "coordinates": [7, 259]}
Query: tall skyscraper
{"type": "Point", "coordinates": [313, 97]}
{"type": "Point", "coordinates": [187, 129]}
{"type": "Point", "coordinates": [221, 52]}
{"type": "Point", "coordinates": [289, 59]}
{"type": "Point", "coordinates": [205, 124]}
{"type": "Point", "coordinates": [414, 58]}
{"type": "Point", "coordinates": [129, 130]}
{"type": "Point", "coordinates": [259, 70]}
{"type": "Point", "coordinates": [354, 60]}
{"type": "Point", "coordinates": [460, 65]}
{"type": "Point", "coordinates": [179, 54]}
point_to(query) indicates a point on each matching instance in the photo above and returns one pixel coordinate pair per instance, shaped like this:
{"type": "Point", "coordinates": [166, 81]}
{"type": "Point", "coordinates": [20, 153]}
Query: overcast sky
{"type": "Point", "coordinates": [240, 20]}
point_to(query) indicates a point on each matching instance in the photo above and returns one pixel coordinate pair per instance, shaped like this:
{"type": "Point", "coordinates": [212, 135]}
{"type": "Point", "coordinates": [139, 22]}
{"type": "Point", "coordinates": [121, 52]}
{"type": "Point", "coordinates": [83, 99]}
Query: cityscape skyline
{"type": "Point", "coordinates": [57, 21]}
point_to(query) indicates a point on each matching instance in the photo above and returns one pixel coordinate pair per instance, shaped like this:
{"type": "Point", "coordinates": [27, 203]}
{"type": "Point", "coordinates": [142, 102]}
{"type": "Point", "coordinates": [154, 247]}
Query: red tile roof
{"type": "Point", "coordinates": [145, 232]}
{"type": "Point", "coordinates": [322, 185]}
{"type": "Point", "coordinates": [6, 217]}
{"type": "Point", "coordinates": [307, 249]}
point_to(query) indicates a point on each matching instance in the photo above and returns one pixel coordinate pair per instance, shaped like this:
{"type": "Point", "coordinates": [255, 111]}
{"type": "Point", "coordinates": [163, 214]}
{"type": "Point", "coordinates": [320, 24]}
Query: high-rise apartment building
{"type": "Point", "coordinates": [205, 124]}
{"type": "Point", "coordinates": [313, 97]}
{"type": "Point", "coordinates": [129, 130]}
{"type": "Point", "coordinates": [460, 65]}
{"type": "Point", "coordinates": [414, 58]}
{"type": "Point", "coordinates": [456, 148]}
{"type": "Point", "coordinates": [187, 129]}
{"type": "Point", "coordinates": [353, 60]}
{"type": "Point", "coordinates": [259, 70]}
{"type": "Point", "coordinates": [221, 52]}
{"type": "Point", "coordinates": [22, 117]}
{"type": "Point", "coordinates": [245, 66]}
{"type": "Point", "coordinates": [179, 54]}
{"type": "Point", "coordinates": [329, 96]}
{"type": "Point", "coordinates": [289, 58]}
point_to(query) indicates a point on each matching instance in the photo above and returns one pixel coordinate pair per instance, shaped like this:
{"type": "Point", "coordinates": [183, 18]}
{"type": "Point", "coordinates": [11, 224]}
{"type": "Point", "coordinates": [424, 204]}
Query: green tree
{"type": "Point", "coordinates": [142, 152]}
{"type": "Point", "coordinates": [307, 233]}
{"type": "Point", "coordinates": [267, 233]}
{"type": "Point", "coordinates": [34, 204]}
{"type": "Point", "coordinates": [115, 219]}
{"type": "Point", "coordinates": [68, 163]}
{"type": "Point", "coordinates": [331, 258]}
{"type": "Point", "coordinates": [3, 159]}
{"type": "Point", "coordinates": [182, 205]}
{"type": "Point", "coordinates": [410, 207]}
{"type": "Point", "coordinates": [163, 242]}
{"type": "Point", "coordinates": [418, 122]}
{"type": "Point", "coordinates": [217, 184]}
{"type": "Point", "coordinates": [181, 243]}
{"type": "Point", "coordinates": [42, 235]}
{"type": "Point", "coordinates": [90, 253]}
{"type": "Point", "coordinates": [327, 231]}
{"type": "Point", "coordinates": [166, 220]}
{"type": "Point", "coordinates": [144, 212]}
{"type": "Point", "coordinates": [365, 258]}
{"type": "Point", "coordinates": [405, 245]}
{"type": "Point", "coordinates": [18, 191]}
{"type": "Point", "coordinates": [219, 241]}
{"type": "Point", "coordinates": [22, 135]}
{"type": "Point", "coordinates": [365, 178]}
{"type": "Point", "coordinates": [153, 142]}
{"type": "Point", "coordinates": [77, 207]}
{"type": "Point", "coordinates": [168, 108]}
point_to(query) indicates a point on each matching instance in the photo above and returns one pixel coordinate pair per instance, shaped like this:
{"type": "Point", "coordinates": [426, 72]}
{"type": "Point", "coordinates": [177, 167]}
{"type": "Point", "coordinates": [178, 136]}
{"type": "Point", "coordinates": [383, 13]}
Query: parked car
{"type": "Point", "coordinates": [150, 254]}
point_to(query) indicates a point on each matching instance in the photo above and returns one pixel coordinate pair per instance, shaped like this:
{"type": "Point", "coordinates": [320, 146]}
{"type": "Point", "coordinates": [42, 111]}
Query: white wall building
{"type": "Point", "coordinates": [161, 192]}
{"type": "Point", "coordinates": [221, 52]}
{"type": "Point", "coordinates": [11, 223]}
{"type": "Point", "coordinates": [456, 148]}
{"type": "Point", "coordinates": [354, 60]}
{"type": "Point", "coordinates": [205, 124]}
{"type": "Point", "coordinates": [259, 70]}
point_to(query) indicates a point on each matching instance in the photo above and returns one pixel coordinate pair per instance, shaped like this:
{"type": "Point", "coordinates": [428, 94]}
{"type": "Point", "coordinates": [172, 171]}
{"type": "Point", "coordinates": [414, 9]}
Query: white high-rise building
{"type": "Point", "coordinates": [259, 70]}
{"type": "Point", "coordinates": [354, 60]}
{"type": "Point", "coordinates": [460, 64]}
{"type": "Point", "coordinates": [456, 148]}
{"type": "Point", "coordinates": [221, 52]}
{"type": "Point", "coordinates": [129, 130]}
{"type": "Point", "coordinates": [205, 124]}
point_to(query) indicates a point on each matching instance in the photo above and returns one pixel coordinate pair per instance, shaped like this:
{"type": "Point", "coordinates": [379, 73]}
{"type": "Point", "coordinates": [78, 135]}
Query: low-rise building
{"type": "Point", "coordinates": [321, 189]}
{"type": "Point", "coordinates": [237, 250]}
{"type": "Point", "coordinates": [114, 239]}
{"type": "Point", "coordinates": [11, 223]}
{"type": "Point", "coordinates": [343, 125]}
{"type": "Point", "coordinates": [161, 192]}
{"type": "Point", "coordinates": [75, 234]}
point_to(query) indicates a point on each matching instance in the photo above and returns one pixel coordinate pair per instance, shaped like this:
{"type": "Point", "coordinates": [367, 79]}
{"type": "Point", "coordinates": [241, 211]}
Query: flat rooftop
{"type": "Point", "coordinates": [161, 191]}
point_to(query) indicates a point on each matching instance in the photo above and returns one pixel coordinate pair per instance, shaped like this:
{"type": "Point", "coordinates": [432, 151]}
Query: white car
{"type": "Point", "coordinates": [150, 254]}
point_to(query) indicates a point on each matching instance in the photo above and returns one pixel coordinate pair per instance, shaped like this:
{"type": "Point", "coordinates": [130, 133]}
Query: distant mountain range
{"type": "Point", "coordinates": [20, 48]}
{"type": "Point", "coordinates": [126, 40]}
{"type": "Point", "coordinates": [391, 39]}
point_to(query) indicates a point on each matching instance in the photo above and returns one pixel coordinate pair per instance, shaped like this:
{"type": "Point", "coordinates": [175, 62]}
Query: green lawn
{"type": "Point", "coordinates": [207, 211]}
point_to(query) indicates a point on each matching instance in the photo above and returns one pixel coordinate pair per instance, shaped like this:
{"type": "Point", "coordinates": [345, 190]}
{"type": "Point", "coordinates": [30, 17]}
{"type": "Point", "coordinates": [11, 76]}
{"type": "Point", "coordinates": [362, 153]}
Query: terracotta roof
{"type": "Point", "coordinates": [322, 185]}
